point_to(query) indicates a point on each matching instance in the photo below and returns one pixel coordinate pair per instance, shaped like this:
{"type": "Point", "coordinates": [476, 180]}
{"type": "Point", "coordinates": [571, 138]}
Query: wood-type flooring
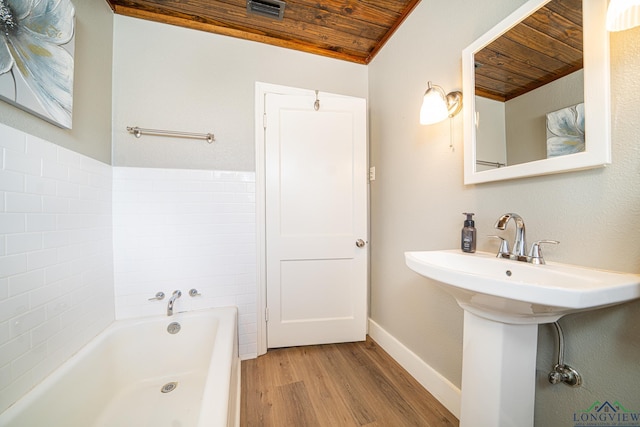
{"type": "Point", "coordinates": [335, 385]}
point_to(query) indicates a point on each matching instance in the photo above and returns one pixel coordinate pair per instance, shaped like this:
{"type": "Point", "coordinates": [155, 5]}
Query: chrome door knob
{"type": "Point", "coordinates": [360, 243]}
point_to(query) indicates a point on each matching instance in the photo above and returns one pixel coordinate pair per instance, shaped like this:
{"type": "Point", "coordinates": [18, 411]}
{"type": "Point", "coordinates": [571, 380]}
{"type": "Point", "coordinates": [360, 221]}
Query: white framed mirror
{"type": "Point", "coordinates": [518, 122]}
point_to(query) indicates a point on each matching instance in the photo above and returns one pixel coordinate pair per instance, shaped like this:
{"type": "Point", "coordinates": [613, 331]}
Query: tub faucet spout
{"type": "Point", "coordinates": [176, 294]}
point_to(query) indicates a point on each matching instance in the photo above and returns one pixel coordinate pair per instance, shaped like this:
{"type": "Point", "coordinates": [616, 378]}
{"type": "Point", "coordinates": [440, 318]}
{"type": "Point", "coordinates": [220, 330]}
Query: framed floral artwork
{"type": "Point", "coordinates": [37, 40]}
{"type": "Point", "coordinates": [565, 131]}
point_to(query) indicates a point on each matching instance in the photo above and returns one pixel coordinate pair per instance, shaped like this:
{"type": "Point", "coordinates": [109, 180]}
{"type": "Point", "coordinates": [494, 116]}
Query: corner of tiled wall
{"type": "Point", "coordinates": [56, 257]}
{"type": "Point", "coordinates": [82, 243]}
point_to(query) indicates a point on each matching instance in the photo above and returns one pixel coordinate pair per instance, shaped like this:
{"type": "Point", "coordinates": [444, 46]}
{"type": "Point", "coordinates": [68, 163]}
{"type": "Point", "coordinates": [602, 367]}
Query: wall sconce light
{"type": "Point", "coordinates": [623, 15]}
{"type": "Point", "coordinates": [437, 106]}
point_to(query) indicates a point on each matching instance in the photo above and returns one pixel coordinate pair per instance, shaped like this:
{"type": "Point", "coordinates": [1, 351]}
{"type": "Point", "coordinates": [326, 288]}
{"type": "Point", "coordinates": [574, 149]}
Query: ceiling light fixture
{"type": "Point", "coordinates": [438, 105]}
{"type": "Point", "coordinates": [623, 15]}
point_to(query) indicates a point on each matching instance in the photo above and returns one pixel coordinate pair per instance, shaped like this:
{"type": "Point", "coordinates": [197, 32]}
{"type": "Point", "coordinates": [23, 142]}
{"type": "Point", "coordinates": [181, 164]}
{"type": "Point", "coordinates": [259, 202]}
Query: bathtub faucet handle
{"type": "Point", "coordinates": [159, 296]}
{"type": "Point", "coordinates": [194, 293]}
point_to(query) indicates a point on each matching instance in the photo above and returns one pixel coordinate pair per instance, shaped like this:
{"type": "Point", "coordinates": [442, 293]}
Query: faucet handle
{"type": "Point", "coordinates": [159, 296]}
{"type": "Point", "coordinates": [503, 252]}
{"type": "Point", "coordinates": [535, 254]}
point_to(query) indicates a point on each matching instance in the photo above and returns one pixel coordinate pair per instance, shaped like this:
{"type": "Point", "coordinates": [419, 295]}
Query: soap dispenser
{"type": "Point", "coordinates": [468, 240]}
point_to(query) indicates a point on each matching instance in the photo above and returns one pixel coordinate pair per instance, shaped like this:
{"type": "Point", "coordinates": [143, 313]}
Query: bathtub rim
{"type": "Point", "coordinates": [226, 414]}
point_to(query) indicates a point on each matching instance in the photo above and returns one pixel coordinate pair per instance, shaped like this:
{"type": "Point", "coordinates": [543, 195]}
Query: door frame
{"type": "Point", "coordinates": [261, 90]}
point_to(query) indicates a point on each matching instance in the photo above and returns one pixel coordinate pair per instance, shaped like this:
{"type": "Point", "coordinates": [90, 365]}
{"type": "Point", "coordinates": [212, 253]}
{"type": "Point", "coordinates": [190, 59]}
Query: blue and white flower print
{"type": "Point", "coordinates": [32, 36]}
{"type": "Point", "coordinates": [565, 131]}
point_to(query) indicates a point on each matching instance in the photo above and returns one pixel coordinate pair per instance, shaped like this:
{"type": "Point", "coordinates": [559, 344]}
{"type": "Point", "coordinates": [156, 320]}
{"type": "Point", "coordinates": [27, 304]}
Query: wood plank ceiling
{"type": "Point", "coordinates": [351, 30]}
{"type": "Point", "coordinates": [544, 47]}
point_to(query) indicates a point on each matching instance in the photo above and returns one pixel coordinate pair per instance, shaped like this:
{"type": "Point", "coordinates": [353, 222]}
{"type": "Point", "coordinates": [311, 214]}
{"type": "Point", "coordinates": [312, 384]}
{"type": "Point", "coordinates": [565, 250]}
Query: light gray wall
{"type": "Point", "coordinates": [91, 132]}
{"type": "Point", "coordinates": [491, 139]}
{"type": "Point", "coordinates": [419, 194]}
{"type": "Point", "coordinates": [526, 116]}
{"type": "Point", "coordinates": [174, 78]}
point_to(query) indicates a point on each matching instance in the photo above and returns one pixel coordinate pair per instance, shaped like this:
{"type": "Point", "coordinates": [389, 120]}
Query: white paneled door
{"type": "Point", "coordinates": [316, 219]}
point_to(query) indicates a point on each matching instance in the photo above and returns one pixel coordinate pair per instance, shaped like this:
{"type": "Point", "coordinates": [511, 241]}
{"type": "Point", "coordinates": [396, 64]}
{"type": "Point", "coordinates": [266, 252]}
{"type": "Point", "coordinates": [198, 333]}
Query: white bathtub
{"type": "Point", "coordinates": [116, 379]}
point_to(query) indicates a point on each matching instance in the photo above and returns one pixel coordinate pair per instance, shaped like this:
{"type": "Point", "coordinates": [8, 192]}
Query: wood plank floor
{"type": "Point", "coordinates": [351, 384]}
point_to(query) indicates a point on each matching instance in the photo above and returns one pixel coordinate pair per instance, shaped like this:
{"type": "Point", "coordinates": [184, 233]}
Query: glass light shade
{"type": "Point", "coordinates": [434, 106]}
{"type": "Point", "coordinates": [623, 15]}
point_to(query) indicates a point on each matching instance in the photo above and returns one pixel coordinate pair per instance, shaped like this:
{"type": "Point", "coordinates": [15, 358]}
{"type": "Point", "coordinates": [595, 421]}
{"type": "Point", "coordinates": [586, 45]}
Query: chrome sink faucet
{"type": "Point", "coordinates": [176, 294]}
{"type": "Point", "coordinates": [519, 244]}
{"type": "Point", "coordinates": [519, 251]}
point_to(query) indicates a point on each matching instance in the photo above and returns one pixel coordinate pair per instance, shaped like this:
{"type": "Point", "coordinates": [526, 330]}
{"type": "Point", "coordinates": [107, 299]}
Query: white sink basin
{"type": "Point", "coordinates": [516, 292]}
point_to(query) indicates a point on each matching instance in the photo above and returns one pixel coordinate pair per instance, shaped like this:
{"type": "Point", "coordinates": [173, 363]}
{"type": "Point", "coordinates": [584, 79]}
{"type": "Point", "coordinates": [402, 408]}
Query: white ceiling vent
{"type": "Point", "coordinates": [269, 8]}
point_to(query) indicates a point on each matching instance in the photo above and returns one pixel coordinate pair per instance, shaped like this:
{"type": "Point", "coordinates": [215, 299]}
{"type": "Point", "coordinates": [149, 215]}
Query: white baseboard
{"type": "Point", "coordinates": [441, 388]}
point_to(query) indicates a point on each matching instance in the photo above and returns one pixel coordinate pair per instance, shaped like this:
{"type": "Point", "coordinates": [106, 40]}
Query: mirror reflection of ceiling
{"type": "Point", "coordinates": [544, 47]}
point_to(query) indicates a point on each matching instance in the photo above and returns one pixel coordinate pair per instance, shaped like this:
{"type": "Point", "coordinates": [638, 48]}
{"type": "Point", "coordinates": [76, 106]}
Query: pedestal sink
{"type": "Point", "coordinates": [504, 301]}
